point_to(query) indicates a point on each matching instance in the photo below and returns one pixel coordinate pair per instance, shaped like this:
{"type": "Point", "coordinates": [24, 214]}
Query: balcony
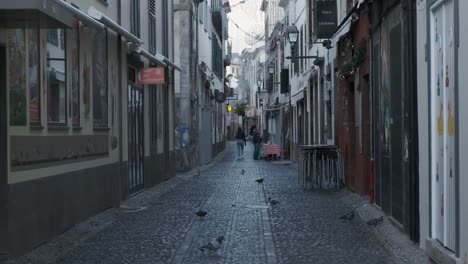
{"type": "Point", "coordinates": [219, 18]}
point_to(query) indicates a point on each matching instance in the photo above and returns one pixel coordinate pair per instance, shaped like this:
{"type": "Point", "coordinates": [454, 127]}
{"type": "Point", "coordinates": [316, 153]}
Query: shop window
{"type": "Point", "coordinates": [135, 17]}
{"type": "Point", "coordinates": [34, 73]}
{"type": "Point", "coordinates": [52, 37]}
{"type": "Point", "coordinates": [17, 76]}
{"type": "Point", "coordinates": [100, 79]}
{"type": "Point", "coordinates": [75, 74]}
{"type": "Point", "coordinates": [56, 79]}
{"type": "Point", "coordinates": [161, 125]}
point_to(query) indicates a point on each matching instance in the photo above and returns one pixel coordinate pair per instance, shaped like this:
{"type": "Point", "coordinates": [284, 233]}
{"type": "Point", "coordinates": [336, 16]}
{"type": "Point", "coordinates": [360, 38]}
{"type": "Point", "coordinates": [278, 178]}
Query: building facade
{"type": "Point", "coordinates": [202, 48]}
{"type": "Point", "coordinates": [442, 47]}
{"type": "Point", "coordinates": [81, 129]}
{"type": "Point", "coordinates": [394, 99]}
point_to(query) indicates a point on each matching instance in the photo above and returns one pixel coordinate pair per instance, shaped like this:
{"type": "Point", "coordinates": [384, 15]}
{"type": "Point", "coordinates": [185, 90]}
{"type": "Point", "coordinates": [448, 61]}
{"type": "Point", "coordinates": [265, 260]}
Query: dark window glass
{"type": "Point", "coordinates": [17, 76]}
{"type": "Point", "coordinates": [75, 64]}
{"type": "Point", "coordinates": [56, 79]}
{"type": "Point", "coordinates": [100, 87]}
{"type": "Point", "coordinates": [135, 17]}
{"type": "Point", "coordinates": [34, 83]}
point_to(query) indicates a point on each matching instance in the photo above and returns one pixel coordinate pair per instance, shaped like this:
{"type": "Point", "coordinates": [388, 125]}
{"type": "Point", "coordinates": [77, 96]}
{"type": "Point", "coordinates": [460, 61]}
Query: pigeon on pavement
{"type": "Point", "coordinates": [242, 171]}
{"type": "Point", "coordinates": [213, 245]}
{"type": "Point", "coordinates": [201, 213]}
{"type": "Point", "coordinates": [348, 216]}
{"type": "Point", "coordinates": [272, 202]}
{"type": "Point", "coordinates": [259, 180]}
{"type": "Point", "coordinates": [375, 221]}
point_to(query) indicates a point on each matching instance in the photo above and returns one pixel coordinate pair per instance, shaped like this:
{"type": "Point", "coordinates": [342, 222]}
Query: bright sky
{"type": "Point", "coordinates": [250, 19]}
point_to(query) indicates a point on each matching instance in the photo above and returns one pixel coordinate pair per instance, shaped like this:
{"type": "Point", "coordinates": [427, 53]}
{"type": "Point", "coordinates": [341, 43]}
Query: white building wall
{"type": "Point", "coordinates": [463, 128]}
{"type": "Point", "coordinates": [423, 123]}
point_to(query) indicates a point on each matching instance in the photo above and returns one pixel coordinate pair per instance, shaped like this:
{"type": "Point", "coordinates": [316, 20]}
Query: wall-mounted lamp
{"type": "Point", "coordinates": [271, 68]}
{"type": "Point", "coordinates": [259, 83]}
{"type": "Point", "coordinates": [293, 34]}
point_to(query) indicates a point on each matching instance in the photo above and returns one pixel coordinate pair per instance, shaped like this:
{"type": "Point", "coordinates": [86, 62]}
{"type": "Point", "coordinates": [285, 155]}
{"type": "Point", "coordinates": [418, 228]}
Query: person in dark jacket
{"type": "Point", "coordinates": [257, 140]}
{"type": "Point", "coordinates": [241, 142]}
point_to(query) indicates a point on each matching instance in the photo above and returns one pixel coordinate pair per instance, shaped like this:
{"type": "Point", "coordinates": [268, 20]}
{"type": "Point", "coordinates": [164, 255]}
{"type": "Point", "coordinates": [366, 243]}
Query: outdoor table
{"type": "Point", "coordinates": [271, 149]}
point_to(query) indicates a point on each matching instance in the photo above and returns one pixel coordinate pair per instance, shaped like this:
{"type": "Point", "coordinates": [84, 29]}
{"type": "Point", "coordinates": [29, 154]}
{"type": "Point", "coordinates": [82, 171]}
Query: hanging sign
{"type": "Point", "coordinates": [327, 21]}
{"type": "Point", "coordinates": [153, 75]}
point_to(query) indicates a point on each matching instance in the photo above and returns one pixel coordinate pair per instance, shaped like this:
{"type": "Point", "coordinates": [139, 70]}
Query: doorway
{"type": "Point", "coordinates": [443, 105]}
{"type": "Point", "coordinates": [135, 139]}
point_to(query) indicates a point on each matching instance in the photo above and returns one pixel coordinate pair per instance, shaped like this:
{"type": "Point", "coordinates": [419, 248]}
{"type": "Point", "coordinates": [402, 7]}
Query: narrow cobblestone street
{"type": "Point", "coordinates": [304, 227]}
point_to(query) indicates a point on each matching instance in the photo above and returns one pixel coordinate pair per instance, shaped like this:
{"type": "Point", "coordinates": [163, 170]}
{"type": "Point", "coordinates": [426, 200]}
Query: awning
{"type": "Point", "coordinates": [94, 13]}
{"type": "Point", "coordinates": [344, 29]}
{"type": "Point", "coordinates": [147, 55]}
{"type": "Point", "coordinates": [45, 14]}
{"type": "Point", "coordinates": [168, 62]}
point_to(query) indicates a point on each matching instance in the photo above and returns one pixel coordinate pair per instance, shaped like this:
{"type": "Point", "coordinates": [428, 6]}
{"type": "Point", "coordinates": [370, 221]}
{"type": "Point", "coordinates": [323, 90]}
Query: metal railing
{"type": "Point", "coordinates": [321, 167]}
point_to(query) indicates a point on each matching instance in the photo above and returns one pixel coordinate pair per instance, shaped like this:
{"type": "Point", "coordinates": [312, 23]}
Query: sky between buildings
{"type": "Point", "coordinates": [250, 23]}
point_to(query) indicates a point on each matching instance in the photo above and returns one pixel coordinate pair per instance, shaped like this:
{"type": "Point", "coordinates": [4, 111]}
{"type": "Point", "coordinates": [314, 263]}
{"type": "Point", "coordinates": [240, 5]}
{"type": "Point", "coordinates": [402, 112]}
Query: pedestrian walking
{"type": "Point", "coordinates": [257, 140]}
{"type": "Point", "coordinates": [252, 129]}
{"type": "Point", "coordinates": [241, 142]}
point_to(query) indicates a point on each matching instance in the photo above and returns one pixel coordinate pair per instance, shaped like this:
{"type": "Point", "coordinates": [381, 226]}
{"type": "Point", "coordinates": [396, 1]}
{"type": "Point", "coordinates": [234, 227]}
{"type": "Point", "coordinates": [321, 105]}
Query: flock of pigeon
{"type": "Point", "coordinates": [372, 222]}
{"type": "Point", "coordinates": [212, 246]}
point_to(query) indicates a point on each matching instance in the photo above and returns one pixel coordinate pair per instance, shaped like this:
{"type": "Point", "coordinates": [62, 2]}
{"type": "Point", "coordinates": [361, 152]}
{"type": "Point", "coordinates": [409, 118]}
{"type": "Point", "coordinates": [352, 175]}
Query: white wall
{"type": "Point", "coordinates": [423, 123]}
{"type": "Point", "coordinates": [463, 126]}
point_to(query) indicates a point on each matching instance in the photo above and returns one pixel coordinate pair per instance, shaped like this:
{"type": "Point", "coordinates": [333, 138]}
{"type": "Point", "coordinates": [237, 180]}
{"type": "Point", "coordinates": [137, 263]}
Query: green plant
{"type": "Point", "coordinates": [240, 109]}
{"type": "Point", "coordinates": [358, 57]}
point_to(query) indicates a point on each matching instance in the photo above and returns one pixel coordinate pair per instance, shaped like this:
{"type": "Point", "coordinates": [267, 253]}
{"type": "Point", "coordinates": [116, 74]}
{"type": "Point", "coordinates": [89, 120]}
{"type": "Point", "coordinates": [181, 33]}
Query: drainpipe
{"type": "Point", "coordinates": [371, 110]}
{"type": "Point", "coordinates": [199, 90]}
{"type": "Point", "coordinates": [413, 123]}
{"type": "Point", "coordinates": [119, 92]}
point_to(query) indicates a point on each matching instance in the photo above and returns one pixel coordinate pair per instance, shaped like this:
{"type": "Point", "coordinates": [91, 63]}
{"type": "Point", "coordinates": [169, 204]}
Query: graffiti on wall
{"type": "Point", "coordinates": [28, 152]}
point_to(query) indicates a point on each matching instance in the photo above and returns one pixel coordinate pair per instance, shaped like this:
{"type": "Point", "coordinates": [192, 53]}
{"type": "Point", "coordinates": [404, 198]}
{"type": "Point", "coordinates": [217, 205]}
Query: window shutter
{"type": "Point", "coordinates": [152, 8]}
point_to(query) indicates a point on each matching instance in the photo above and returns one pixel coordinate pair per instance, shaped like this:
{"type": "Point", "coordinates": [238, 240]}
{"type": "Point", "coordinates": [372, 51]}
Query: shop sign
{"type": "Point", "coordinates": [327, 22]}
{"type": "Point", "coordinates": [153, 75]}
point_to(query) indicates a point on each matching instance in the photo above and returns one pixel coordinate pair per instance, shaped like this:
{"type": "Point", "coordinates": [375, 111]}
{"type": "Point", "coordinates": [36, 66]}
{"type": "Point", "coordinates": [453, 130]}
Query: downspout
{"type": "Point", "coordinates": [120, 105]}
{"type": "Point", "coordinates": [195, 82]}
{"type": "Point", "coordinates": [413, 116]}
{"type": "Point", "coordinates": [371, 109]}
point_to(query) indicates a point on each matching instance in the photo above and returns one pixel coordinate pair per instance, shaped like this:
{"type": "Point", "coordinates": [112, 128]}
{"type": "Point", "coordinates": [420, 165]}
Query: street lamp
{"type": "Point", "coordinates": [293, 34]}
{"type": "Point", "coordinates": [259, 83]}
{"type": "Point", "coordinates": [271, 68]}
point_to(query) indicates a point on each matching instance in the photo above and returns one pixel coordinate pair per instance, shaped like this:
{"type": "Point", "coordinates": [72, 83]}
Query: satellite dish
{"type": "Point", "coordinates": [220, 97]}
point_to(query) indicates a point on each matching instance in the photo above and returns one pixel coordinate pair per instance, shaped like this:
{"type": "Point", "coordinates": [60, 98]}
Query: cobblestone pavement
{"type": "Point", "coordinates": [303, 228]}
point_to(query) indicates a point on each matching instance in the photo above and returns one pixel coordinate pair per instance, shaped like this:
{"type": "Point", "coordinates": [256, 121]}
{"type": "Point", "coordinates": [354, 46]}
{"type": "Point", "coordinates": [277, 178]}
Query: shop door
{"type": "Point", "coordinates": [135, 139]}
{"type": "Point", "coordinates": [396, 123]}
{"type": "Point", "coordinates": [206, 147]}
{"type": "Point", "coordinates": [442, 122]}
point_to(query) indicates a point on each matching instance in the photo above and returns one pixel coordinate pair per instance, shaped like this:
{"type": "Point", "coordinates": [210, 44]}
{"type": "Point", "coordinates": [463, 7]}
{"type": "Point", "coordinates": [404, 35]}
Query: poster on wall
{"type": "Point", "coordinates": [17, 76]}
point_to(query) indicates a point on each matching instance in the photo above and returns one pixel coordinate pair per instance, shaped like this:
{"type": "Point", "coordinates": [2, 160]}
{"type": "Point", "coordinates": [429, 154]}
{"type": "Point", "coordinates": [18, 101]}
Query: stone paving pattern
{"type": "Point", "coordinates": [303, 228]}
